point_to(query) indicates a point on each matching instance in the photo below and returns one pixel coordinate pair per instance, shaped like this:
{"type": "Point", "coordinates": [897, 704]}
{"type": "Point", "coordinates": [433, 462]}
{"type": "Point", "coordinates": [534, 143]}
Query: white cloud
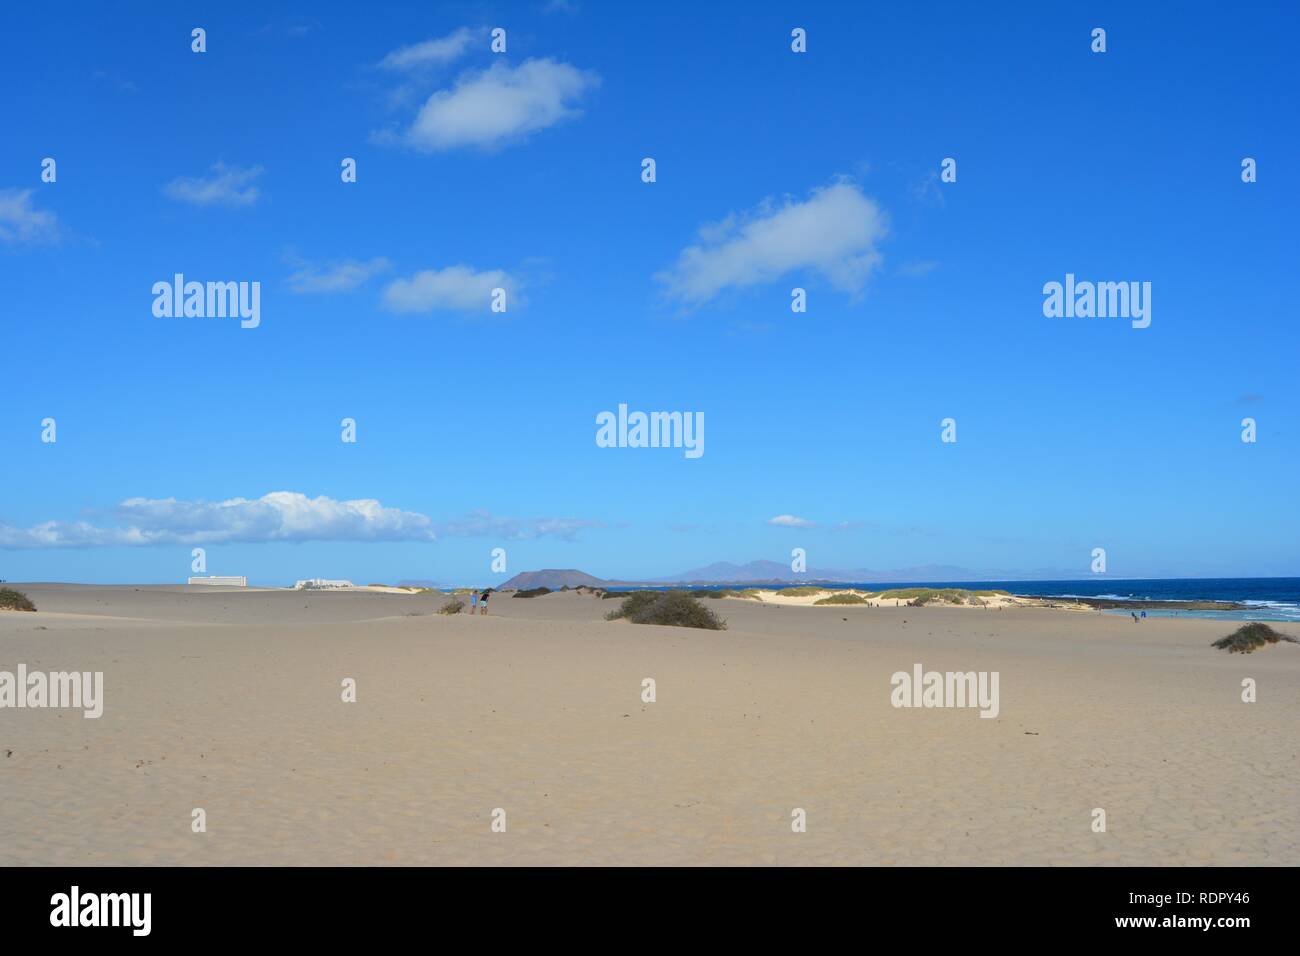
{"type": "Point", "coordinates": [456, 289]}
{"type": "Point", "coordinates": [502, 103]}
{"type": "Point", "coordinates": [790, 521]}
{"type": "Point", "coordinates": [336, 277]}
{"type": "Point", "coordinates": [278, 516]}
{"type": "Point", "coordinates": [228, 185]}
{"type": "Point", "coordinates": [484, 524]}
{"type": "Point", "coordinates": [834, 233]}
{"type": "Point", "coordinates": [21, 222]}
{"type": "Point", "coordinates": [437, 52]}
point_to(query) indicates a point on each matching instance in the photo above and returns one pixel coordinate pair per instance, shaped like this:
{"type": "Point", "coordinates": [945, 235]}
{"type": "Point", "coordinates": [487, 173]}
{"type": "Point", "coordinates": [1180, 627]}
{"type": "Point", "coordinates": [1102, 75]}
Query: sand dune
{"type": "Point", "coordinates": [230, 701]}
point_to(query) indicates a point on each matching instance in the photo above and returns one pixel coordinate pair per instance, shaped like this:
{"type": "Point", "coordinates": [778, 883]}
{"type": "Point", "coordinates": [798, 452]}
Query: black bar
{"type": "Point", "coordinates": [977, 906]}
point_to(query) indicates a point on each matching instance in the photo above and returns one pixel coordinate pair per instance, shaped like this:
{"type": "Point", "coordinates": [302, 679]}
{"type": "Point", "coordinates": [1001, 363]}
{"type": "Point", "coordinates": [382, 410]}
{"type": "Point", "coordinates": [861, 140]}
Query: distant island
{"type": "Point", "coordinates": [775, 573]}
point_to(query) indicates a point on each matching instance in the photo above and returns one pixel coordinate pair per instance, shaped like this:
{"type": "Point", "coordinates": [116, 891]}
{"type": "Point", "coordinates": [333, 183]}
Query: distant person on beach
{"type": "Point", "coordinates": [1144, 613]}
{"type": "Point", "coordinates": [473, 601]}
{"type": "Point", "coordinates": [483, 602]}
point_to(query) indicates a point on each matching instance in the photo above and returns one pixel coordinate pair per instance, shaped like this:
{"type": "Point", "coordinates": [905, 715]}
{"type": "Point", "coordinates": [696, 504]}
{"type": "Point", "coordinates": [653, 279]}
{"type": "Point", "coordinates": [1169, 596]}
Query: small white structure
{"type": "Point", "coordinates": [230, 580]}
{"type": "Point", "coordinates": [321, 584]}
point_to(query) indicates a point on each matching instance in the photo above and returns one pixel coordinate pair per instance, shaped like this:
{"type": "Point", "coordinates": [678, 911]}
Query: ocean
{"type": "Point", "coordinates": [1268, 599]}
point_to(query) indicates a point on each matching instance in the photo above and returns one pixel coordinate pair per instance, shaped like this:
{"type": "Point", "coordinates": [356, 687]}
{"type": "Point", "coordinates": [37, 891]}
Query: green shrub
{"type": "Point", "coordinates": [918, 597]}
{"type": "Point", "coordinates": [1248, 639]}
{"type": "Point", "coordinates": [846, 597]}
{"type": "Point", "coordinates": [11, 600]}
{"type": "Point", "coordinates": [633, 602]}
{"type": "Point", "coordinates": [727, 593]}
{"type": "Point", "coordinates": [532, 592]}
{"type": "Point", "coordinates": [454, 606]}
{"type": "Point", "coordinates": [671, 608]}
{"type": "Point", "coordinates": [802, 591]}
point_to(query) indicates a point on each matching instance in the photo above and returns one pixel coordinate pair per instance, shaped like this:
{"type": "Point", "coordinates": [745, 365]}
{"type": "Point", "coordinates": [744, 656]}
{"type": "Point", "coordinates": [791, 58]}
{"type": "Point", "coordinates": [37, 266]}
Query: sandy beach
{"type": "Point", "coordinates": [231, 701]}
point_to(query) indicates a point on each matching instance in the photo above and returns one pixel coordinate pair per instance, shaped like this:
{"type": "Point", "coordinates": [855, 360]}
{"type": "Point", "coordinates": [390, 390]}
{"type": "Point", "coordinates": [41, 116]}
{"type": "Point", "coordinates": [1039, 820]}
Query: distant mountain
{"type": "Point", "coordinates": [764, 572]}
{"type": "Point", "coordinates": [553, 579]}
{"type": "Point", "coordinates": [724, 572]}
{"type": "Point", "coordinates": [775, 572]}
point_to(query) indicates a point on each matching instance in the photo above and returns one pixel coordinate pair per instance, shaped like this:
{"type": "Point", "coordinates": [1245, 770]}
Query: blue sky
{"type": "Point", "coordinates": [817, 170]}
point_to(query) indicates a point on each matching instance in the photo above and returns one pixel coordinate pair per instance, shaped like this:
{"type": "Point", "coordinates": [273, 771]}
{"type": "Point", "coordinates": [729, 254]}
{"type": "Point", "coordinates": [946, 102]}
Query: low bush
{"type": "Point", "coordinates": [1248, 639]}
{"type": "Point", "coordinates": [454, 606]}
{"type": "Point", "coordinates": [11, 600]}
{"type": "Point", "coordinates": [919, 597]}
{"type": "Point", "coordinates": [846, 597]}
{"type": "Point", "coordinates": [633, 602]}
{"type": "Point", "coordinates": [671, 608]}
{"type": "Point", "coordinates": [532, 592]}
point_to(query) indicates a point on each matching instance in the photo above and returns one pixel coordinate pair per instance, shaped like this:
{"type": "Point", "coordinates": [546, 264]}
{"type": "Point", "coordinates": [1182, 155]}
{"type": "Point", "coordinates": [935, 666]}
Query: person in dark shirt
{"type": "Point", "coordinates": [482, 602]}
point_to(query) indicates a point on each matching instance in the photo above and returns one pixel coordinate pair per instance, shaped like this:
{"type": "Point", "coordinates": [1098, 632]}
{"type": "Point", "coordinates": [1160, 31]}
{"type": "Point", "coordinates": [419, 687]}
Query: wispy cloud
{"type": "Point", "coordinates": [834, 233]}
{"type": "Point", "coordinates": [482, 524]}
{"type": "Point", "coordinates": [790, 521]}
{"type": "Point", "coordinates": [341, 276]}
{"type": "Point", "coordinates": [501, 104]}
{"type": "Point", "coordinates": [453, 289]}
{"type": "Point", "coordinates": [929, 190]}
{"type": "Point", "coordinates": [227, 185]}
{"type": "Point", "coordinates": [293, 26]}
{"type": "Point", "coordinates": [119, 82]}
{"type": "Point", "coordinates": [22, 222]}
{"type": "Point", "coordinates": [278, 516]}
{"type": "Point", "coordinates": [437, 52]}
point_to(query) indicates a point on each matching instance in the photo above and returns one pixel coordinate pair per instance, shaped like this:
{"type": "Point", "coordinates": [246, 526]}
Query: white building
{"type": "Point", "coordinates": [228, 580]}
{"type": "Point", "coordinates": [320, 584]}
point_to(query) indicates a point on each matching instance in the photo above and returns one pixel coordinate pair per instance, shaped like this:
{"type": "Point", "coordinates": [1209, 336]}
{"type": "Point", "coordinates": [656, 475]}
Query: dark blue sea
{"type": "Point", "coordinates": [1267, 599]}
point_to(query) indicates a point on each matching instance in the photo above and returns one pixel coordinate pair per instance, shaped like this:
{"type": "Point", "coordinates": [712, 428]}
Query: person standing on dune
{"type": "Point", "coordinates": [483, 602]}
{"type": "Point", "coordinates": [473, 601]}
